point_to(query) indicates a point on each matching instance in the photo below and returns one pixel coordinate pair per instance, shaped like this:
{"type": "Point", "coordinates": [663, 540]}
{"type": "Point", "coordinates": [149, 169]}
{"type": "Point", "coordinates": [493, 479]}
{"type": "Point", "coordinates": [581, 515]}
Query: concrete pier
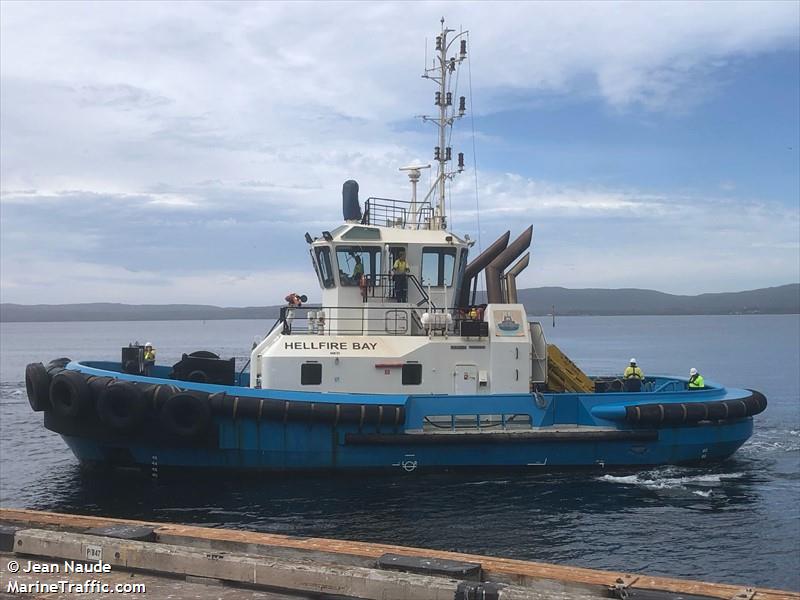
{"type": "Point", "coordinates": [181, 561]}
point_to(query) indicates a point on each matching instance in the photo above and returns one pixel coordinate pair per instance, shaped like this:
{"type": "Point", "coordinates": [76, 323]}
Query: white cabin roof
{"type": "Point", "coordinates": [365, 234]}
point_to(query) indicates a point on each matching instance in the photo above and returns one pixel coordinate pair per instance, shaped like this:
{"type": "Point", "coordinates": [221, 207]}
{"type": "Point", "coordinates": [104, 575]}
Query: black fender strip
{"type": "Point", "coordinates": [527, 437]}
{"type": "Point", "coordinates": [674, 413]}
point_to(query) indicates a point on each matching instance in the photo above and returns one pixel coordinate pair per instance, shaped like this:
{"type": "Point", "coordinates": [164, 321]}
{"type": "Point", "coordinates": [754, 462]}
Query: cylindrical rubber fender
{"type": "Point", "coordinates": [694, 412]}
{"type": "Point", "coordinates": [186, 415]}
{"type": "Point", "coordinates": [69, 394]}
{"type": "Point", "coordinates": [121, 406]}
{"type": "Point", "coordinates": [203, 354]}
{"type": "Point", "coordinates": [717, 411]}
{"type": "Point", "coordinates": [37, 385]}
{"type": "Point", "coordinates": [756, 403]}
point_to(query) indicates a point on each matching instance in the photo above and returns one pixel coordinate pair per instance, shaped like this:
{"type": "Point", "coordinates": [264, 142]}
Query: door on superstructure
{"type": "Point", "coordinates": [466, 380]}
{"type": "Point", "coordinates": [397, 267]}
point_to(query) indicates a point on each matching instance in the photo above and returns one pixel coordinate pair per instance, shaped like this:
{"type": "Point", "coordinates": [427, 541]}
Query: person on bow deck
{"type": "Point", "coordinates": [400, 270]}
{"type": "Point", "coordinates": [293, 300]}
{"type": "Point", "coordinates": [695, 380]}
{"type": "Point", "coordinates": [633, 371]}
{"type": "Point", "coordinates": [149, 357]}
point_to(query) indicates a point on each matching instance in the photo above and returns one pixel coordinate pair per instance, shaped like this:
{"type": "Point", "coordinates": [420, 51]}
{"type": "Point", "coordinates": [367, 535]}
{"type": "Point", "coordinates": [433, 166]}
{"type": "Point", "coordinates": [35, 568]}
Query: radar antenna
{"type": "Point", "coordinates": [441, 73]}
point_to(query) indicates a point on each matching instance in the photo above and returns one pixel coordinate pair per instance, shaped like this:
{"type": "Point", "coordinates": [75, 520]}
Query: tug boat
{"type": "Point", "coordinates": [399, 367]}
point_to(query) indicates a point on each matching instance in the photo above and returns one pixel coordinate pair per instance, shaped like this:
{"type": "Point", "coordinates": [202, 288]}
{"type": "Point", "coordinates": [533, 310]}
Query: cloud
{"type": "Point", "coordinates": [226, 243]}
{"type": "Point", "coordinates": [151, 145]}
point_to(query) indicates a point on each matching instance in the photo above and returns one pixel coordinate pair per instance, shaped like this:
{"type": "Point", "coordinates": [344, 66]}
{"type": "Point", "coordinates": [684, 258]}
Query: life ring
{"type": "Point", "coordinates": [186, 415]}
{"type": "Point", "coordinates": [121, 406]}
{"type": "Point", "coordinates": [37, 385]}
{"type": "Point", "coordinates": [69, 394]}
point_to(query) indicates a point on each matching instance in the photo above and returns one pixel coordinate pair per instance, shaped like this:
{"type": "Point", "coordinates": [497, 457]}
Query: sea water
{"type": "Point", "coordinates": [737, 521]}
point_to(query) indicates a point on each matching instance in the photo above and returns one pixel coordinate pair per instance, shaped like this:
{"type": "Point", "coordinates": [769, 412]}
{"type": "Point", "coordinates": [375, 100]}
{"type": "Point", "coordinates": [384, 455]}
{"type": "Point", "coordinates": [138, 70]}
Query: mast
{"type": "Point", "coordinates": [441, 73]}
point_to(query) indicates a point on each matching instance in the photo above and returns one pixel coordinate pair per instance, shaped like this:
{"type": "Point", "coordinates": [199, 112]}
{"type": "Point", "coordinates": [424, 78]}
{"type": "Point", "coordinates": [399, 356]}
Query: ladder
{"type": "Point", "coordinates": [563, 375]}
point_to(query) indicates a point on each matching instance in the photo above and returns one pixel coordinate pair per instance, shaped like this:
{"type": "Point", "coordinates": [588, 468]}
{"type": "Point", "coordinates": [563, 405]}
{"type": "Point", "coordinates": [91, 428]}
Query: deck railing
{"type": "Point", "coordinates": [370, 320]}
{"type": "Point", "coordinates": [386, 212]}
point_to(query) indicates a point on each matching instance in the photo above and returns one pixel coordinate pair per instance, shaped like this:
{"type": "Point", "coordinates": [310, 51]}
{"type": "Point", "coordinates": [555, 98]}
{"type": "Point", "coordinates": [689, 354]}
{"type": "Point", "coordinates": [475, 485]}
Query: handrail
{"type": "Point", "coordinates": [347, 320]}
{"type": "Point", "coordinates": [376, 280]}
{"type": "Point", "coordinates": [671, 383]}
{"type": "Point", "coordinates": [425, 298]}
{"type": "Point", "coordinates": [388, 212]}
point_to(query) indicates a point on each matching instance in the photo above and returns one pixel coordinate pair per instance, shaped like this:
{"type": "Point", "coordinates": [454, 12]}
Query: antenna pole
{"type": "Point", "coordinates": [441, 220]}
{"type": "Point", "coordinates": [441, 75]}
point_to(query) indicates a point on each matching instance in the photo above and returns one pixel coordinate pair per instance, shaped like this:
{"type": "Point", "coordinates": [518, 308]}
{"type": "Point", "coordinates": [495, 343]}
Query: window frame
{"type": "Point", "coordinates": [321, 252]}
{"type": "Point", "coordinates": [441, 272]}
{"type": "Point", "coordinates": [374, 263]}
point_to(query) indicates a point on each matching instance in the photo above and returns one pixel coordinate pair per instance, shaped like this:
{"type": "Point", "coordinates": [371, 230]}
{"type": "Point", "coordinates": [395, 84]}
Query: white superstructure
{"type": "Point", "coordinates": [396, 316]}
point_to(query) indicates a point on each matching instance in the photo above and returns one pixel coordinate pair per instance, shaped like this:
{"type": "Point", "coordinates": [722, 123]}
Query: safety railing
{"type": "Point", "coordinates": [363, 320]}
{"type": "Point", "coordinates": [386, 212]}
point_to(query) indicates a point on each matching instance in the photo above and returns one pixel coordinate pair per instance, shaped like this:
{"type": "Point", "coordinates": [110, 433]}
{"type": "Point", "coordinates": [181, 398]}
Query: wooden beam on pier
{"type": "Point", "coordinates": [556, 579]}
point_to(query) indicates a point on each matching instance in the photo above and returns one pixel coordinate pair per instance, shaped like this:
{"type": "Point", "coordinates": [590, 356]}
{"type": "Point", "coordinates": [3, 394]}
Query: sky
{"type": "Point", "coordinates": [177, 152]}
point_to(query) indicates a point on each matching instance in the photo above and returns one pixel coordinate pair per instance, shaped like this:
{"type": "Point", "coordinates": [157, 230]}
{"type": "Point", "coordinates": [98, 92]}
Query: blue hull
{"type": "Point", "coordinates": [272, 430]}
{"type": "Point", "coordinates": [266, 447]}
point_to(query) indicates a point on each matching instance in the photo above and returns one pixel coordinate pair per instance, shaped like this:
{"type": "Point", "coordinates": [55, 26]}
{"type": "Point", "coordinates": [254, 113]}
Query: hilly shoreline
{"type": "Point", "coordinates": [783, 299]}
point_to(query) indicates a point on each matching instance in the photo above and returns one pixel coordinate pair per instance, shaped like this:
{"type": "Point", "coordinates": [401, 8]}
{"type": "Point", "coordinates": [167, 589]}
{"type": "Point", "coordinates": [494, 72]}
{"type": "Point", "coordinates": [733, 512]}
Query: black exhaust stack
{"type": "Point", "coordinates": [477, 265]}
{"type": "Point", "coordinates": [494, 272]}
{"type": "Point", "coordinates": [351, 209]}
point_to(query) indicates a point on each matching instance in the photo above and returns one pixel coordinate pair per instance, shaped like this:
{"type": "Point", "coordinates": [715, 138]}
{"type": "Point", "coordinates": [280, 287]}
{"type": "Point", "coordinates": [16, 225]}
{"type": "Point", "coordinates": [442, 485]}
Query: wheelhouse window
{"type": "Point", "coordinates": [437, 266]}
{"type": "Point", "coordinates": [325, 268]}
{"type": "Point", "coordinates": [355, 261]}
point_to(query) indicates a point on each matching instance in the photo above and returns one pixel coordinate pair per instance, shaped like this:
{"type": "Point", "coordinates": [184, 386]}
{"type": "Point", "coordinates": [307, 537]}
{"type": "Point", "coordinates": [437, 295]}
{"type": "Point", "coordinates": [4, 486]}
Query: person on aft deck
{"type": "Point", "coordinates": [633, 371]}
{"type": "Point", "coordinates": [695, 380]}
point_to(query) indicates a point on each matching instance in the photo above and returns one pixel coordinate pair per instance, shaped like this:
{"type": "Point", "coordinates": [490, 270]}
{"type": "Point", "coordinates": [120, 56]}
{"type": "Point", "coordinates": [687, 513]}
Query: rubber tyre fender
{"type": "Point", "coordinates": [203, 354]}
{"type": "Point", "coordinates": [55, 367]}
{"type": "Point", "coordinates": [121, 406]}
{"type": "Point", "coordinates": [97, 385]}
{"type": "Point", "coordinates": [186, 415]}
{"type": "Point", "coordinates": [69, 394]}
{"type": "Point", "coordinates": [59, 363]}
{"type": "Point", "coordinates": [198, 376]}
{"type": "Point", "coordinates": [37, 385]}
{"type": "Point", "coordinates": [161, 394]}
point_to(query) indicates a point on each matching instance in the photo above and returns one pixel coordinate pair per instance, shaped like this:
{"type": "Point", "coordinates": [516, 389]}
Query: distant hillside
{"type": "Point", "coordinates": [538, 301]}
{"type": "Point", "coordinates": [784, 299]}
{"type": "Point", "coordinates": [107, 311]}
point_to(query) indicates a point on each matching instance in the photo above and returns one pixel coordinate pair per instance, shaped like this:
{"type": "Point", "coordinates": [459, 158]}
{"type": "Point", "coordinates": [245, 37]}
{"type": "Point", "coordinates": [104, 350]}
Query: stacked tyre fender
{"type": "Point", "coordinates": [122, 406]}
{"type": "Point", "coordinates": [99, 406]}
